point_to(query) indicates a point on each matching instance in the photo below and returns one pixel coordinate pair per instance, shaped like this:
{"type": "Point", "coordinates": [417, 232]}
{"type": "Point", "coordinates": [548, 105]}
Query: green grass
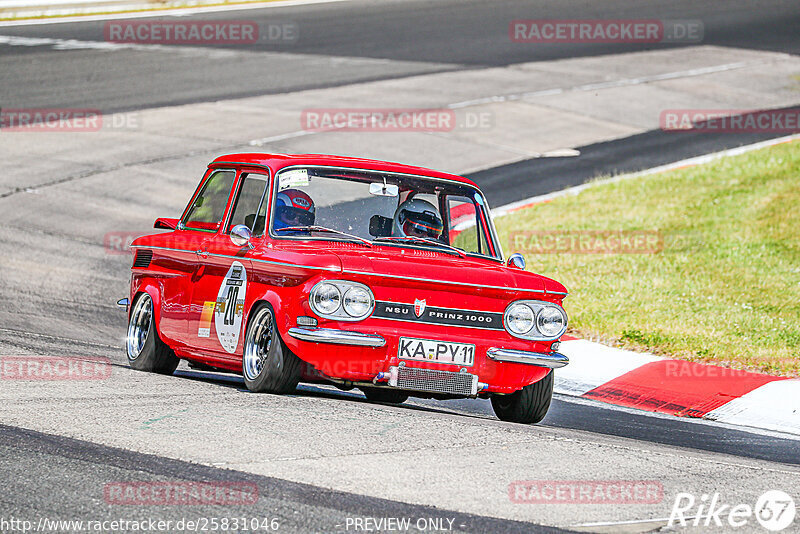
{"type": "Point", "coordinates": [725, 288]}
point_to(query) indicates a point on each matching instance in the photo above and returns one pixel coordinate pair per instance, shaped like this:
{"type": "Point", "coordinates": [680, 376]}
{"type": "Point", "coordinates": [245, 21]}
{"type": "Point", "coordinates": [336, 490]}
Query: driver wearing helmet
{"type": "Point", "coordinates": [293, 208]}
{"type": "Point", "coordinates": [417, 218]}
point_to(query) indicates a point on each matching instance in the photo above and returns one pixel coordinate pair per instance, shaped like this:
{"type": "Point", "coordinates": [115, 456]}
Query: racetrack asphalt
{"type": "Point", "coordinates": [351, 458]}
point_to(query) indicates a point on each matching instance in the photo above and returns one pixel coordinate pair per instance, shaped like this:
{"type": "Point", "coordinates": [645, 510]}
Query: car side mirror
{"type": "Point", "coordinates": [516, 260]}
{"type": "Point", "coordinates": [241, 235]}
{"type": "Point", "coordinates": [166, 224]}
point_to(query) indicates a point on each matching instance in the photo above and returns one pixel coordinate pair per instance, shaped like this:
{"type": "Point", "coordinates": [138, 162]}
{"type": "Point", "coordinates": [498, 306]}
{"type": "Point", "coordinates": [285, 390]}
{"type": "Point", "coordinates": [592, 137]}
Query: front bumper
{"type": "Point", "coordinates": [364, 356]}
{"type": "Point", "coordinates": [551, 360]}
{"type": "Point", "coordinates": [339, 337]}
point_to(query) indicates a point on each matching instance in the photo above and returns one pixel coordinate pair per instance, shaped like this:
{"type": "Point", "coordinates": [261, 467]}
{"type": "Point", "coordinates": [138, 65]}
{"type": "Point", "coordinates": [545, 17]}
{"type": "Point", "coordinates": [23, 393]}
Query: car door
{"type": "Point", "coordinates": [200, 220]}
{"type": "Point", "coordinates": [221, 285]}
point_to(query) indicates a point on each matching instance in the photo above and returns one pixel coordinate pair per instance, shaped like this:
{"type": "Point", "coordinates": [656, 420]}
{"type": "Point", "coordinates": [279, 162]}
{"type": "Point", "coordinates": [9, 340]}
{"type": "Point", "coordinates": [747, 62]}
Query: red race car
{"type": "Point", "coordinates": [345, 271]}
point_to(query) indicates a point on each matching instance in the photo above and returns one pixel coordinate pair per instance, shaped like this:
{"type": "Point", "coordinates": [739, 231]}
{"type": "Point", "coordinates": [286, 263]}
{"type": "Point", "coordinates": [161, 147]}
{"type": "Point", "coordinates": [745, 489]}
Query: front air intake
{"type": "Point", "coordinates": [142, 259]}
{"type": "Point", "coordinates": [433, 381]}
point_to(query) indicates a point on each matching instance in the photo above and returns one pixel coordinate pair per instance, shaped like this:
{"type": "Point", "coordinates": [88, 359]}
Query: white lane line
{"type": "Point", "coordinates": [176, 12]}
{"type": "Point", "coordinates": [502, 211]}
{"type": "Point", "coordinates": [74, 44]}
{"type": "Point", "coordinates": [623, 82]}
{"type": "Point", "coordinates": [291, 135]}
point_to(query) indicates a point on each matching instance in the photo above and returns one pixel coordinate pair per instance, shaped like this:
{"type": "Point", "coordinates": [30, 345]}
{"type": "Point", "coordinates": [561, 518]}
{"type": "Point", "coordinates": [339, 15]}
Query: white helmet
{"type": "Point", "coordinates": [417, 217]}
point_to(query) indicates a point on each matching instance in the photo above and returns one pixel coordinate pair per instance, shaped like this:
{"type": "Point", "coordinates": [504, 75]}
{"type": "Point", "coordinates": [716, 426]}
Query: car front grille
{"type": "Point", "coordinates": [433, 381]}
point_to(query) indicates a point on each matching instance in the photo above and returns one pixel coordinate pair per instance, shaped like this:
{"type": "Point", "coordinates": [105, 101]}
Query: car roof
{"type": "Point", "coordinates": [277, 161]}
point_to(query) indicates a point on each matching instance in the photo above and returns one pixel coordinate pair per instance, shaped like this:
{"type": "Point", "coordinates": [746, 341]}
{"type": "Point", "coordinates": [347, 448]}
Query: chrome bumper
{"type": "Point", "coordinates": [552, 360]}
{"type": "Point", "coordinates": [339, 337]}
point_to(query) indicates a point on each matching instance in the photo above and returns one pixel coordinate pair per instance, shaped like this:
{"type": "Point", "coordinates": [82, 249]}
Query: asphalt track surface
{"type": "Point", "coordinates": [400, 38]}
{"type": "Point", "coordinates": [538, 176]}
{"type": "Point", "coordinates": [29, 458]}
{"type": "Point", "coordinates": [47, 474]}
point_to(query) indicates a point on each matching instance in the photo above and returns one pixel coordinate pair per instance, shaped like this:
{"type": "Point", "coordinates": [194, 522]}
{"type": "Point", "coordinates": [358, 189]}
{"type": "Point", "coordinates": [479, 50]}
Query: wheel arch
{"type": "Point", "coordinates": [154, 291]}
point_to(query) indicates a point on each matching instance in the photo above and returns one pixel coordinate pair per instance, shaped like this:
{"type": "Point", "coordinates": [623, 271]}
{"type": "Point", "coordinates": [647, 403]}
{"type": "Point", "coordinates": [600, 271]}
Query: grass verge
{"type": "Point", "coordinates": [700, 264]}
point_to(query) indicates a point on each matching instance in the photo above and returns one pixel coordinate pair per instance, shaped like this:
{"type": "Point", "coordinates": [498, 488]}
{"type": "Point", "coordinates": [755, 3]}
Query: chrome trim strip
{"type": "Point", "coordinates": [165, 248]}
{"type": "Point", "coordinates": [269, 262]}
{"type": "Point", "coordinates": [409, 321]}
{"type": "Point", "coordinates": [341, 337]}
{"type": "Point", "coordinates": [399, 277]}
{"type": "Point", "coordinates": [552, 360]}
{"type": "Point", "coordinates": [332, 269]}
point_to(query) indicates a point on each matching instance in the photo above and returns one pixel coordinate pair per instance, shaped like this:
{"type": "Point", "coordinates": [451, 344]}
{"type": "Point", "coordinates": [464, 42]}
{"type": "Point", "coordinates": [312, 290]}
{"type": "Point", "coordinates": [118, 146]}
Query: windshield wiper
{"type": "Point", "coordinates": [422, 241]}
{"type": "Point", "coordinates": [361, 240]}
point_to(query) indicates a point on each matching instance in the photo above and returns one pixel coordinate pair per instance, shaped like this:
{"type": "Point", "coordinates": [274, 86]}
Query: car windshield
{"type": "Point", "coordinates": [384, 209]}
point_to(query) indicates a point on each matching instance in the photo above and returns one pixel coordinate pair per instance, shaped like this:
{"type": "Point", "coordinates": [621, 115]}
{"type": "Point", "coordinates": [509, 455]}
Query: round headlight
{"type": "Point", "coordinates": [550, 321]}
{"type": "Point", "coordinates": [326, 298]}
{"type": "Point", "coordinates": [519, 319]}
{"type": "Point", "coordinates": [357, 301]}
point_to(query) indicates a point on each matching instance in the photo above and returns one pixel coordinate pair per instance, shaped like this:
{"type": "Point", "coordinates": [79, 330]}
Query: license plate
{"type": "Point", "coordinates": [427, 350]}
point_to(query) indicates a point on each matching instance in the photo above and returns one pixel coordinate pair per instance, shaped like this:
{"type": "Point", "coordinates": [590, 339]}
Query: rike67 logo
{"type": "Point", "coordinates": [774, 510]}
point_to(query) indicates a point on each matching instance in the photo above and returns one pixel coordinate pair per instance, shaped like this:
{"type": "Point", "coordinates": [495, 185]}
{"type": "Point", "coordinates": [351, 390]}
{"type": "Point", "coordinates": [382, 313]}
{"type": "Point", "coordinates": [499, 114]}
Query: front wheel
{"type": "Point", "coordinates": [268, 365]}
{"type": "Point", "coordinates": [146, 351]}
{"type": "Point", "coordinates": [528, 405]}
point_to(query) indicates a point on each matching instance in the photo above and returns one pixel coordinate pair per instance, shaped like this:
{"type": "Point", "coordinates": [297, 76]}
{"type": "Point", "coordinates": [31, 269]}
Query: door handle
{"type": "Point", "coordinates": [202, 253]}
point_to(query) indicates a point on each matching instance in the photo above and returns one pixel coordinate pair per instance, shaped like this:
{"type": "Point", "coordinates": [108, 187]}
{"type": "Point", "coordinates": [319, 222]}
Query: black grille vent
{"type": "Point", "coordinates": [142, 259]}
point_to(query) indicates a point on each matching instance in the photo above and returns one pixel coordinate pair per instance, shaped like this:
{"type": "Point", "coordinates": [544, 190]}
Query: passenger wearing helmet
{"type": "Point", "coordinates": [417, 218]}
{"type": "Point", "coordinates": [293, 208]}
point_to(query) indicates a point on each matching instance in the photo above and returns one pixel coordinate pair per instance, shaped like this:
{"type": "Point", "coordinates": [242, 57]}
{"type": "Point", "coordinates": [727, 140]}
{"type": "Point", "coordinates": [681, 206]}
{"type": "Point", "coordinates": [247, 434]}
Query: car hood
{"type": "Point", "coordinates": [469, 273]}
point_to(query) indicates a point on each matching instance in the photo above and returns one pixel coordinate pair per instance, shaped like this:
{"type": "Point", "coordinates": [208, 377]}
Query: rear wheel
{"type": "Point", "coordinates": [391, 396]}
{"type": "Point", "coordinates": [268, 365]}
{"type": "Point", "coordinates": [146, 351]}
{"type": "Point", "coordinates": [528, 405]}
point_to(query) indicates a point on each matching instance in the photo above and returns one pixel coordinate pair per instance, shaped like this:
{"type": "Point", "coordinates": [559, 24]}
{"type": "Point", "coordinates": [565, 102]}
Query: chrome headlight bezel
{"type": "Point", "coordinates": [536, 306]}
{"type": "Point", "coordinates": [516, 309]}
{"type": "Point", "coordinates": [341, 313]}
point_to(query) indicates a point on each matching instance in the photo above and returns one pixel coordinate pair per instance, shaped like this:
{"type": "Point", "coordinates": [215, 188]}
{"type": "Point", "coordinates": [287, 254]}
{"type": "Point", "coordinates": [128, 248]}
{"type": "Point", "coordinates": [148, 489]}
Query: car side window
{"type": "Point", "coordinates": [465, 229]}
{"type": "Point", "coordinates": [250, 207]}
{"type": "Point", "coordinates": [209, 206]}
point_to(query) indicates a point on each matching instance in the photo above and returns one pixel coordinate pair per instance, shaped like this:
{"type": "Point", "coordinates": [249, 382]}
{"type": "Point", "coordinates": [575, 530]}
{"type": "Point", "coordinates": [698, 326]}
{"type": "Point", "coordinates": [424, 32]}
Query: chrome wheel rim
{"type": "Point", "coordinates": [139, 326]}
{"type": "Point", "coordinates": [258, 344]}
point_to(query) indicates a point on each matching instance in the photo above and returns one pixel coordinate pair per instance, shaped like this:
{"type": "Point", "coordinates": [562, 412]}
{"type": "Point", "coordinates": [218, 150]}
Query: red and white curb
{"type": "Point", "coordinates": [678, 387]}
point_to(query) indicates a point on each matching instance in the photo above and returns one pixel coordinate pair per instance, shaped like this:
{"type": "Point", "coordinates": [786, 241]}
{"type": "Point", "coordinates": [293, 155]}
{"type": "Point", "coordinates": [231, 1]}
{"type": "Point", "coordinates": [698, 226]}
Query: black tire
{"type": "Point", "coordinates": [390, 396]}
{"type": "Point", "coordinates": [528, 405]}
{"type": "Point", "coordinates": [268, 365]}
{"type": "Point", "coordinates": [146, 351]}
